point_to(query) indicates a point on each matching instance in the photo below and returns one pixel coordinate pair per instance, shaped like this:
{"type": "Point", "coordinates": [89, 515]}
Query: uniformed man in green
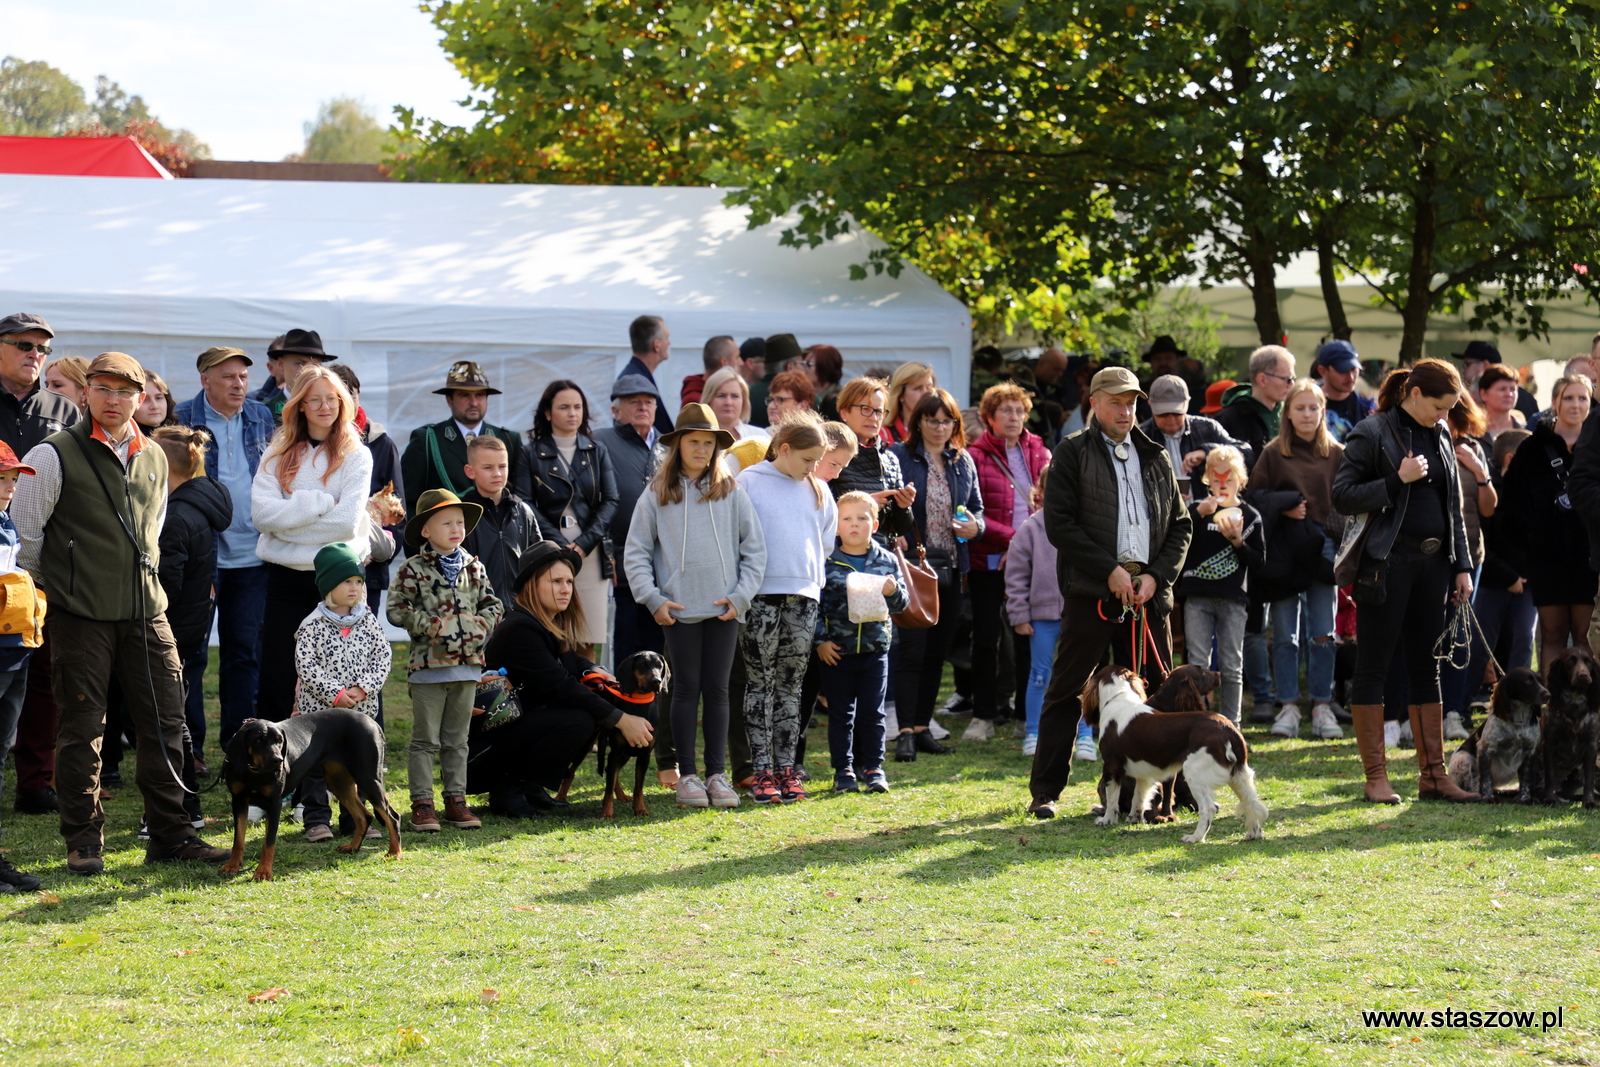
{"type": "Point", "coordinates": [436, 455]}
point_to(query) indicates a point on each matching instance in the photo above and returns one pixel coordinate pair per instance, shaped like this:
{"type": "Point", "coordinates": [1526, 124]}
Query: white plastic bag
{"type": "Point", "coordinates": [864, 593]}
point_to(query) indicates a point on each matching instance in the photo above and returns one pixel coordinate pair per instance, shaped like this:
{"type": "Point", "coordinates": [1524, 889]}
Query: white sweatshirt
{"type": "Point", "coordinates": [296, 526]}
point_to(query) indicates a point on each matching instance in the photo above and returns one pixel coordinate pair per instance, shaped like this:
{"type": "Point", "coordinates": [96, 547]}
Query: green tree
{"type": "Point", "coordinates": [344, 131]}
{"type": "Point", "coordinates": [37, 100]}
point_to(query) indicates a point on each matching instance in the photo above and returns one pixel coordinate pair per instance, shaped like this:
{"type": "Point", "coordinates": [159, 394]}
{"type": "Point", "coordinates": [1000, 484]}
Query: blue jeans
{"type": "Point", "coordinates": [241, 603]}
{"type": "Point", "coordinates": [1258, 667]}
{"type": "Point", "coordinates": [1042, 646]}
{"type": "Point", "coordinates": [1205, 617]}
{"type": "Point", "coordinates": [1502, 611]}
{"type": "Point", "coordinates": [1320, 602]}
{"type": "Point", "coordinates": [855, 689]}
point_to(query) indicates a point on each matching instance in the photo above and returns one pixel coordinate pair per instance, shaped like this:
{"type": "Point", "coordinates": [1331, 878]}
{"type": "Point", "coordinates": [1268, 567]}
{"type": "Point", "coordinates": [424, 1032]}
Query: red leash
{"type": "Point", "coordinates": [1141, 638]}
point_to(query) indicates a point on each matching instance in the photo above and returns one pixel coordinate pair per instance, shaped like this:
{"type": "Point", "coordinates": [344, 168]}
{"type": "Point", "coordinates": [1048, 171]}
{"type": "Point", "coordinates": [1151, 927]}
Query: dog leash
{"type": "Point", "coordinates": [601, 682]}
{"type": "Point", "coordinates": [1461, 628]}
{"type": "Point", "coordinates": [1141, 637]}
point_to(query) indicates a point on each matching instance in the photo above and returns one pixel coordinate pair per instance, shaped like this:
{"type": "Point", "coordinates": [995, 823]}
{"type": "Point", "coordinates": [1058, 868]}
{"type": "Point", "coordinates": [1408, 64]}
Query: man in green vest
{"type": "Point", "coordinates": [89, 522]}
{"type": "Point", "coordinates": [436, 456]}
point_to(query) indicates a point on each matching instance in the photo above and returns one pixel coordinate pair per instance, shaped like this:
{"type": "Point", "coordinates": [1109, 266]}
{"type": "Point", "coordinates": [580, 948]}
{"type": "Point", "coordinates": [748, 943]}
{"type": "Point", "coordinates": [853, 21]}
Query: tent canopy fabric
{"type": "Point", "coordinates": [108, 157]}
{"type": "Point", "coordinates": [401, 279]}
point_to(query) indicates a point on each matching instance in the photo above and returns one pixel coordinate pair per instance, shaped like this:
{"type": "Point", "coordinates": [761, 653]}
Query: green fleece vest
{"type": "Point", "coordinates": [89, 566]}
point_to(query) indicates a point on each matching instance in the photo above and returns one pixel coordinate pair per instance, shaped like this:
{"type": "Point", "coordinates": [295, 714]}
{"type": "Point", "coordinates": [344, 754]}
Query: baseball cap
{"type": "Point", "coordinates": [1169, 395]}
{"type": "Point", "coordinates": [22, 322]}
{"type": "Point", "coordinates": [221, 354]}
{"type": "Point", "coordinates": [1115, 380]}
{"type": "Point", "coordinates": [1338, 355]}
{"type": "Point", "coordinates": [10, 462]}
{"type": "Point", "coordinates": [119, 363]}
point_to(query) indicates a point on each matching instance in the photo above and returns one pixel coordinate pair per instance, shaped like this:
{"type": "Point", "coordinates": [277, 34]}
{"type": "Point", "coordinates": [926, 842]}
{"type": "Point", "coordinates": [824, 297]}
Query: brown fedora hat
{"type": "Point", "coordinates": [698, 417]}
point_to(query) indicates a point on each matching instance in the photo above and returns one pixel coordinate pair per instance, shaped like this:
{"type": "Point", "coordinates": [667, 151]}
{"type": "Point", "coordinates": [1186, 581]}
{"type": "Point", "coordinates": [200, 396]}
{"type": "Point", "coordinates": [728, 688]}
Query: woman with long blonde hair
{"type": "Point", "coordinates": [909, 383]}
{"type": "Point", "coordinates": [310, 490]}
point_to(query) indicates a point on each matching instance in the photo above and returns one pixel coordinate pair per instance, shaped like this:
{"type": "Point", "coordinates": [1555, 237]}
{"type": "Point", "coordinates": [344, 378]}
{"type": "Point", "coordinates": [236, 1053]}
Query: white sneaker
{"type": "Point", "coordinates": [1030, 744]}
{"type": "Point", "coordinates": [1324, 725]}
{"type": "Point", "coordinates": [255, 814]}
{"type": "Point", "coordinates": [1287, 724]}
{"type": "Point", "coordinates": [1453, 728]}
{"type": "Point", "coordinates": [1406, 740]}
{"type": "Point", "coordinates": [939, 732]}
{"type": "Point", "coordinates": [720, 792]}
{"type": "Point", "coordinates": [1085, 750]}
{"type": "Point", "coordinates": [891, 721]}
{"type": "Point", "coordinates": [691, 792]}
{"type": "Point", "coordinates": [1391, 734]}
{"type": "Point", "coordinates": [980, 730]}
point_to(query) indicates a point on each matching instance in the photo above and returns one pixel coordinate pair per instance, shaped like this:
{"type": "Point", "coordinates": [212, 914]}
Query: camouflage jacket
{"type": "Point", "coordinates": [448, 623]}
{"type": "Point", "coordinates": [833, 619]}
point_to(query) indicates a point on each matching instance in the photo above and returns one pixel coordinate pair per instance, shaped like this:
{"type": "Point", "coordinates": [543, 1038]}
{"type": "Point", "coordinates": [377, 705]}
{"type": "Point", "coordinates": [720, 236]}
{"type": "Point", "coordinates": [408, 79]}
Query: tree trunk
{"type": "Point", "coordinates": [1338, 324]}
{"type": "Point", "coordinates": [1264, 295]}
{"type": "Point", "coordinates": [1419, 282]}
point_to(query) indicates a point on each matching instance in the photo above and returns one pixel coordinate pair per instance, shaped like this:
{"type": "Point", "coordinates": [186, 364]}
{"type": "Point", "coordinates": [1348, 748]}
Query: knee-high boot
{"type": "Point", "coordinates": [1427, 726]}
{"type": "Point", "coordinates": [1368, 722]}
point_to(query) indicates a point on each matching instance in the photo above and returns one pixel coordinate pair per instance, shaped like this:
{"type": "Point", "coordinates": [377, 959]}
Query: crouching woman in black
{"type": "Point", "coordinates": [518, 763]}
{"type": "Point", "coordinates": [1400, 472]}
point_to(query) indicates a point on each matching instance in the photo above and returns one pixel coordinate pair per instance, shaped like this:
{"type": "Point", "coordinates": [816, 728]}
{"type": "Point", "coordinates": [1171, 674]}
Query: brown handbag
{"type": "Point", "coordinates": [922, 590]}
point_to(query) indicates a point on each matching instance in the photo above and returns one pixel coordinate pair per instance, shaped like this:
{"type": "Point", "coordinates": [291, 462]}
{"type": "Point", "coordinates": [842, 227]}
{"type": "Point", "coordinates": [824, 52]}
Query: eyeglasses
{"type": "Point", "coordinates": [941, 424]}
{"type": "Point", "coordinates": [119, 394]}
{"type": "Point", "coordinates": [1281, 377]}
{"type": "Point", "coordinates": [868, 411]}
{"type": "Point", "coordinates": [771, 400]}
{"type": "Point", "coordinates": [28, 346]}
{"type": "Point", "coordinates": [317, 403]}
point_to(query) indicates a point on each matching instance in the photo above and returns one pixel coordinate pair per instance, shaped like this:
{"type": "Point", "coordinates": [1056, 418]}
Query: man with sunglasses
{"type": "Point", "coordinates": [1250, 410]}
{"type": "Point", "coordinates": [28, 414]}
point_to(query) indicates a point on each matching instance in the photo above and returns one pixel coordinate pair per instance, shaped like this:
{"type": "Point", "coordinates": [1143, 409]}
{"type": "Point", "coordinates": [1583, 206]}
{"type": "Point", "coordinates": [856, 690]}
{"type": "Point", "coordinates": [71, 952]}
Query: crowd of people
{"type": "Point", "coordinates": [759, 539]}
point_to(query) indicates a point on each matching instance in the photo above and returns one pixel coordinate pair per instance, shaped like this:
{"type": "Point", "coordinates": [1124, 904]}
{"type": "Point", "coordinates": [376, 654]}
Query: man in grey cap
{"type": "Point", "coordinates": [28, 414]}
{"type": "Point", "coordinates": [630, 442]}
{"type": "Point", "coordinates": [1113, 511]}
{"type": "Point", "coordinates": [1187, 438]}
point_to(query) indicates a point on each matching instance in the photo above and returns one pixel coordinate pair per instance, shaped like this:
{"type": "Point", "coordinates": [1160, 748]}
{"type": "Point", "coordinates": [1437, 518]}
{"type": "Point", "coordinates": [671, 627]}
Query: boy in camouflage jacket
{"type": "Point", "coordinates": [442, 598]}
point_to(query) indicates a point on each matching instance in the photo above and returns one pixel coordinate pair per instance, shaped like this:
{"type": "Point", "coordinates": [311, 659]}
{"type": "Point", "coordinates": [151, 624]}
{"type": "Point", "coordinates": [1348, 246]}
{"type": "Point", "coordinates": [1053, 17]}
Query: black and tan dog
{"type": "Point", "coordinates": [1570, 732]}
{"type": "Point", "coordinates": [642, 681]}
{"type": "Point", "coordinates": [1505, 745]}
{"type": "Point", "coordinates": [267, 760]}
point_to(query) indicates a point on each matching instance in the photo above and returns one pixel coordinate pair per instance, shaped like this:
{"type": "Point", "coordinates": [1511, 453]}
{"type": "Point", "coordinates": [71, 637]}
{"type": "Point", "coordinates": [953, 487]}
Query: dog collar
{"type": "Point", "coordinates": [600, 681]}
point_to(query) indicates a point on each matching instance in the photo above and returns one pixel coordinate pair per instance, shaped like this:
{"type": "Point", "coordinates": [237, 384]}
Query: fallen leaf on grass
{"type": "Point", "coordinates": [412, 1039]}
{"type": "Point", "coordinates": [1109, 960]}
{"type": "Point", "coordinates": [489, 996]}
{"type": "Point", "coordinates": [830, 893]}
{"type": "Point", "coordinates": [184, 951]}
{"type": "Point", "coordinates": [48, 898]}
{"type": "Point", "coordinates": [1496, 904]}
{"type": "Point", "coordinates": [528, 907]}
{"type": "Point", "coordinates": [267, 995]}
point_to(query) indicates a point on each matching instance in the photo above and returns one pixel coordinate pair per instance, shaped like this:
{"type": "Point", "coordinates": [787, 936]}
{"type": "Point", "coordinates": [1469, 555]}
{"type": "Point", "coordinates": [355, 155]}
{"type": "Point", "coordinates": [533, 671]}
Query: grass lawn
{"type": "Point", "coordinates": [937, 924]}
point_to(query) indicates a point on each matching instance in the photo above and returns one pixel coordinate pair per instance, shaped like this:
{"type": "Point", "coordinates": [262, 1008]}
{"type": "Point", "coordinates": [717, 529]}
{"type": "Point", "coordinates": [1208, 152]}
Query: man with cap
{"type": "Point", "coordinates": [436, 456]}
{"type": "Point", "coordinates": [1187, 438]}
{"type": "Point", "coordinates": [1250, 410]}
{"type": "Point", "coordinates": [28, 414]}
{"type": "Point", "coordinates": [1338, 368]}
{"type": "Point", "coordinates": [90, 521]}
{"type": "Point", "coordinates": [652, 345]}
{"type": "Point", "coordinates": [1114, 513]}
{"type": "Point", "coordinates": [287, 356]}
{"type": "Point", "coordinates": [630, 442]}
{"type": "Point", "coordinates": [241, 429]}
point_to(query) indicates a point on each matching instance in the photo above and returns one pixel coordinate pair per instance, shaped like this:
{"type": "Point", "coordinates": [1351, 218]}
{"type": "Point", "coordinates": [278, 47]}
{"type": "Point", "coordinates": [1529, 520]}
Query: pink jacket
{"type": "Point", "coordinates": [1032, 589]}
{"type": "Point", "coordinates": [994, 485]}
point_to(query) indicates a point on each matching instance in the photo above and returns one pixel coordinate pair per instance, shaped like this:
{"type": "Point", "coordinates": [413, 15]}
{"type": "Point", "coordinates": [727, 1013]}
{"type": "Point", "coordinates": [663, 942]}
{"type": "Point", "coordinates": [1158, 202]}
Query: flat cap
{"type": "Point", "coordinates": [119, 363]}
{"type": "Point", "coordinates": [221, 354]}
{"type": "Point", "coordinates": [22, 322]}
{"type": "Point", "coordinates": [633, 385]}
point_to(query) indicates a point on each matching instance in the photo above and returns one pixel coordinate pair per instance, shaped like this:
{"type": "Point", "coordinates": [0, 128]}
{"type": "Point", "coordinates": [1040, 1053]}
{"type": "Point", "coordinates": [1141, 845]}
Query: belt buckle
{"type": "Point", "coordinates": [1133, 567]}
{"type": "Point", "coordinates": [1430, 545]}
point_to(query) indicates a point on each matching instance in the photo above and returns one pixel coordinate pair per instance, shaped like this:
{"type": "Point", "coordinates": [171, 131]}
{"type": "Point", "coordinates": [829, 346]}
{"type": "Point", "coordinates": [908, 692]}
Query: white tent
{"type": "Point", "coordinates": [533, 282]}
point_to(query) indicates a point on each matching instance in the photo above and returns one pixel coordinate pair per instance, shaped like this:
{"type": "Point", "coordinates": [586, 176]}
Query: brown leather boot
{"type": "Point", "coordinates": [1368, 722]}
{"type": "Point", "coordinates": [457, 814]}
{"type": "Point", "coordinates": [1427, 727]}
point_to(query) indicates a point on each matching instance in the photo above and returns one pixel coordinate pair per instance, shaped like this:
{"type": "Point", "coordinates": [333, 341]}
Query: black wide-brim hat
{"type": "Point", "coordinates": [302, 343]}
{"type": "Point", "coordinates": [1164, 343]}
{"type": "Point", "coordinates": [539, 555]}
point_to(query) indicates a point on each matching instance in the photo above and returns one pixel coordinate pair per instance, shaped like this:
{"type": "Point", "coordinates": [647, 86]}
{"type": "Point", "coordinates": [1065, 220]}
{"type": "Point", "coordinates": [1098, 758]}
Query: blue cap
{"type": "Point", "coordinates": [1340, 355]}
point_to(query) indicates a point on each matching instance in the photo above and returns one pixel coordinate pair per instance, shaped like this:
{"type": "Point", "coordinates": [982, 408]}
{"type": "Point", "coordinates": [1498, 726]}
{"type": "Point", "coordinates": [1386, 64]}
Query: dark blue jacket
{"type": "Point", "coordinates": [833, 620]}
{"type": "Point", "coordinates": [960, 474]}
{"type": "Point", "coordinates": [258, 429]}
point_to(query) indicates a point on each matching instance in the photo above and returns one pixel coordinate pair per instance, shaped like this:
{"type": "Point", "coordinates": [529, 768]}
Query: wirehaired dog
{"type": "Point", "coordinates": [1504, 745]}
{"type": "Point", "coordinates": [1137, 743]}
{"type": "Point", "coordinates": [1570, 732]}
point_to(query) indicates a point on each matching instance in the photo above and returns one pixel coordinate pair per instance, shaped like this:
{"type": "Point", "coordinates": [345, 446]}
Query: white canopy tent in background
{"type": "Point", "coordinates": [401, 279]}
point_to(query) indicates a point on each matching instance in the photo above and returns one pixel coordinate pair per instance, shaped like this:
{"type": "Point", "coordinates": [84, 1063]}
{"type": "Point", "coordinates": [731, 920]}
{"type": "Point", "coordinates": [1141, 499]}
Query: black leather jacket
{"type": "Point", "coordinates": [591, 488]}
{"type": "Point", "coordinates": [1368, 481]}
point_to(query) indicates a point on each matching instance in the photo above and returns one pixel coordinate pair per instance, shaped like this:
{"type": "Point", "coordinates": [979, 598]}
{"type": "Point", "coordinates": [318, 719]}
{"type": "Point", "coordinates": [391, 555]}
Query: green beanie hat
{"type": "Point", "coordinates": [334, 564]}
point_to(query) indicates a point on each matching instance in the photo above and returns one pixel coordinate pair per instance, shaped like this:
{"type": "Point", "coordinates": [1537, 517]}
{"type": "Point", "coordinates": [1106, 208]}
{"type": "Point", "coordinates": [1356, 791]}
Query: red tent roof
{"type": "Point", "coordinates": [116, 157]}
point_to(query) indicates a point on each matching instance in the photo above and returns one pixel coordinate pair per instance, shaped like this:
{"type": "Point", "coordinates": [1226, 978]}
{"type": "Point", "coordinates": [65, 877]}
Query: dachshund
{"type": "Point", "coordinates": [1505, 745]}
{"type": "Point", "coordinates": [1570, 731]}
{"type": "Point", "coordinates": [267, 760]}
{"type": "Point", "coordinates": [641, 683]}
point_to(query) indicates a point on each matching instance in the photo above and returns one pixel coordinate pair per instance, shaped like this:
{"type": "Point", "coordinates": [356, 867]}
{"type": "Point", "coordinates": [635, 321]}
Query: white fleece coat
{"type": "Point", "coordinates": [296, 526]}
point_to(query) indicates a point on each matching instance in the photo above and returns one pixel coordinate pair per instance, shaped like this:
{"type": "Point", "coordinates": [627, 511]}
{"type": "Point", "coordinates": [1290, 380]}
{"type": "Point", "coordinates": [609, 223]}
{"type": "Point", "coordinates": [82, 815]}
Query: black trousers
{"type": "Point", "coordinates": [291, 596]}
{"type": "Point", "coordinates": [540, 747]}
{"type": "Point", "coordinates": [919, 661]}
{"type": "Point", "coordinates": [1081, 650]}
{"type": "Point", "coordinates": [991, 626]}
{"type": "Point", "coordinates": [1411, 617]}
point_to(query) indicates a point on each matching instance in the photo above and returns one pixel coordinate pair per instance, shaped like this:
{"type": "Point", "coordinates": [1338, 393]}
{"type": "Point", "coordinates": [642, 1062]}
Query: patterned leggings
{"type": "Point", "coordinates": [776, 639]}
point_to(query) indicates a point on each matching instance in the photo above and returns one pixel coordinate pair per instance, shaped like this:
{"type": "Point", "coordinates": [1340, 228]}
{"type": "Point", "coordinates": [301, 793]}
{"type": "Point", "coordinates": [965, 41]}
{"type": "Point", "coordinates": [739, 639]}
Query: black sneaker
{"type": "Point", "coordinates": [37, 801]}
{"type": "Point", "coordinates": [191, 848]}
{"type": "Point", "coordinates": [13, 880]}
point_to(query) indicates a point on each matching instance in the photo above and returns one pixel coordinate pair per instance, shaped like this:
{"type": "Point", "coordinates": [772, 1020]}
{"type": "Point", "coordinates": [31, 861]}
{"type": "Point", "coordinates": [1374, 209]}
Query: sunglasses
{"type": "Point", "coordinates": [28, 346]}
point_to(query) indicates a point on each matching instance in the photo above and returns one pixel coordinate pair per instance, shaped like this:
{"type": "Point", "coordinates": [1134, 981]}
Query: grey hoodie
{"type": "Point", "coordinates": [797, 532]}
{"type": "Point", "coordinates": [695, 553]}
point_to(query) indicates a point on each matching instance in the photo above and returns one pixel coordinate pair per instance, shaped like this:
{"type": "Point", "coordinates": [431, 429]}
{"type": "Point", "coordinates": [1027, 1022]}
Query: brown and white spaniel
{"type": "Point", "coordinates": [1136, 743]}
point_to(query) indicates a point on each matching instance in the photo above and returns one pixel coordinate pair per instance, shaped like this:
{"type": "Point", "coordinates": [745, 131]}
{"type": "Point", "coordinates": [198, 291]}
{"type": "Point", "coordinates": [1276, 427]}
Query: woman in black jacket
{"type": "Point", "coordinates": [1541, 521]}
{"type": "Point", "coordinates": [935, 463]}
{"type": "Point", "coordinates": [575, 494]}
{"type": "Point", "coordinates": [1408, 559]}
{"type": "Point", "coordinates": [536, 644]}
{"type": "Point", "coordinates": [875, 470]}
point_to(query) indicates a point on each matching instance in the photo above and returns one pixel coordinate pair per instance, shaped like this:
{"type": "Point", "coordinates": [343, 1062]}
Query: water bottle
{"type": "Point", "coordinates": [962, 516]}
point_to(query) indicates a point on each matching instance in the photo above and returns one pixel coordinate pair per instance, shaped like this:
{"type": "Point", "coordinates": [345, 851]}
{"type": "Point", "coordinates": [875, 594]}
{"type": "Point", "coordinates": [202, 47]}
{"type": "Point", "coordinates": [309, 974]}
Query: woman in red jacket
{"type": "Point", "coordinates": [1009, 461]}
